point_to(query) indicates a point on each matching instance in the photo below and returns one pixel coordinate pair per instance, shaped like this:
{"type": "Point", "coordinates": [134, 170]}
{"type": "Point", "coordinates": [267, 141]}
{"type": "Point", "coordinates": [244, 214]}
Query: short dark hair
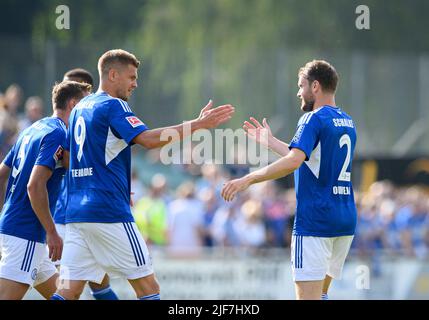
{"type": "Point", "coordinates": [323, 72]}
{"type": "Point", "coordinates": [116, 56]}
{"type": "Point", "coordinates": [79, 75]}
{"type": "Point", "coordinates": [64, 91]}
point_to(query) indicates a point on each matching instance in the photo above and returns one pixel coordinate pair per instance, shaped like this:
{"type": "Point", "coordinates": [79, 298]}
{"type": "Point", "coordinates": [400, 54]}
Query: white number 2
{"type": "Point", "coordinates": [344, 175]}
{"type": "Point", "coordinates": [79, 136]}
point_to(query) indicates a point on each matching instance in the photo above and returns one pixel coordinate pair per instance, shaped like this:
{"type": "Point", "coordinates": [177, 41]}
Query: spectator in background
{"type": "Point", "coordinates": [14, 97]}
{"type": "Point", "coordinates": [138, 190]}
{"type": "Point", "coordinates": [150, 212]}
{"type": "Point", "coordinates": [210, 205]}
{"type": "Point", "coordinates": [412, 221]}
{"type": "Point", "coordinates": [211, 178]}
{"type": "Point", "coordinates": [185, 222]}
{"type": "Point", "coordinates": [224, 225]}
{"type": "Point", "coordinates": [8, 127]}
{"type": "Point", "coordinates": [250, 228]}
{"type": "Point", "coordinates": [33, 112]}
{"type": "Point", "coordinates": [276, 215]}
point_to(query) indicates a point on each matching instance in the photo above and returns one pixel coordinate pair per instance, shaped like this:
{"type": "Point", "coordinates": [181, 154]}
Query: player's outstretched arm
{"type": "Point", "coordinates": [209, 118]}
{"type": "Point", "coordinates": [263, 135]}
{"type": "Point", "coordinates": [278, 169]}
{"type": "Point", "coordinates": [38, 194]}
{"type": "Point", "coordinates": [4, 175]}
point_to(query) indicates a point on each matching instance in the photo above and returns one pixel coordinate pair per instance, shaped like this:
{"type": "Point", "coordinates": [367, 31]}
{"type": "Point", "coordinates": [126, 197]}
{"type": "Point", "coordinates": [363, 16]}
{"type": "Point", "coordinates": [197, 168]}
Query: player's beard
{"type": "Point", "coordinates": [308, 104]}
{"type": "Point", "coordinates": [123, 95]}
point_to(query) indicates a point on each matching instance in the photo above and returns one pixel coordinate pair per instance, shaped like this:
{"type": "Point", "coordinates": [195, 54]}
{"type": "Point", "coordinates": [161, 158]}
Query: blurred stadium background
{"type": "Point", "coordinates": [247, 52]}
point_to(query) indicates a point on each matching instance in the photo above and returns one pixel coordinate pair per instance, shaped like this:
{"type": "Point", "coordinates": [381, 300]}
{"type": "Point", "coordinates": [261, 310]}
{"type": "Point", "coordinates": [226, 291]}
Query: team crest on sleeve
{"type": "Point", "coordinates": [134, 121]}
{"type": "Point", "coordinates": [59, 153]}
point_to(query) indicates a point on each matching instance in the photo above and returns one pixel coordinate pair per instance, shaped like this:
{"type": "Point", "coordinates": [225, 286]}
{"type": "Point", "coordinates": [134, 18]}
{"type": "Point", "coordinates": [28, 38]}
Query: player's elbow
{"type": "Point", "coordinates": [147, 140]}
{"type": "Point", "coordinates": [296, 158]}
{"type": "Point", "coordinates": [149, 144]}
{"type": "Point", "coordinates": [33, 187]}
{"type": "Point", "coordinates": [295, 164]}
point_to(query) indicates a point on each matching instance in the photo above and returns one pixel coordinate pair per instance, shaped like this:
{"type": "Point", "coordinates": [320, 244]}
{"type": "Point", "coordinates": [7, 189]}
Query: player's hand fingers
{"type": "Point", "coordinates": [60, 253]}
{"type": "Point", "coordinates": [221, 108]}
{"type": "Point", "coordinates": [218, 112]}
{"type": "Point", "coordinates": [256, 122]}
{"type": "Point", "coordinates": [52, 254]}
{"type": "Point", "coordinates": [249, 132]}
{"type": "Point", "coordinates": [225, 191]}
{"type": "Point", "coordinates": [224, 119]}
{"type": "Point", "coordinates": [208, 106]}
{"type": "Point", "coordinates": [266, 125]}
{"type": "Point", "coordinates": [248, 125]}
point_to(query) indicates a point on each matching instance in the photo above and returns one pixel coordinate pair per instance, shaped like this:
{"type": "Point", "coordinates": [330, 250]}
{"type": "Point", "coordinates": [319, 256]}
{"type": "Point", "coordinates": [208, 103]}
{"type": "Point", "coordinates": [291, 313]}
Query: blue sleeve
{"type": "Point", "coordinates": [51, 149]}
{"type": "Point", "coordinates": [8, 160]}
{"type": "Point", "coordinates": [124, 121]}
{"type": "Point", "coordinates": [307, 134]}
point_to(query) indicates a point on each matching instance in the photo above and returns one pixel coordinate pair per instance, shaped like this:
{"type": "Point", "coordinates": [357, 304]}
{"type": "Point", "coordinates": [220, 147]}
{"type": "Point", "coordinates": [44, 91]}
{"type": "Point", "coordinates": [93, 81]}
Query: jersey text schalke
{"type": "Point", "coordinates": [40, 144]}
{"type": "Point", "coordinates": [325, 200]}
{"type": "Point", "coordinates": [100, 135]}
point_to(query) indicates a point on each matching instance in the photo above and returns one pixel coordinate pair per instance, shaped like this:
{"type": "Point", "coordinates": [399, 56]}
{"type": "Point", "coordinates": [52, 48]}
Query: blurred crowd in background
{"type": "Point", "coordinates": [189, 216]}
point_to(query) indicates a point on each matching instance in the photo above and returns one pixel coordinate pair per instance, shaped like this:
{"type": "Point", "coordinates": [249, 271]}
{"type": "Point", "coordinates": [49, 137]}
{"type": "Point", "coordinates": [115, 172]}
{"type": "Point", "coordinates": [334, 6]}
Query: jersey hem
{"type": "Point", "coordinates": [98, 221]}
{"type": "Point", "coordinates": [322, 235]}
{"type": "Point", "coordinates": [22, 236]}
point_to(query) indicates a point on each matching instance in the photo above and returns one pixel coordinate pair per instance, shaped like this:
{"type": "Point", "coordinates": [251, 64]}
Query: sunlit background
{"type": "Point", "coordinates": [247, 52]}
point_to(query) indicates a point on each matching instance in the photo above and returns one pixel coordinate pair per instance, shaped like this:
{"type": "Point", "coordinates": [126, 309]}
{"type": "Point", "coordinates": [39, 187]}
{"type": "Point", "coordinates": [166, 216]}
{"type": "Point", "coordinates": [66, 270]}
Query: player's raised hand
{"type": "Point", "coordinates": [55, 245]}
{"type": "Point", "coordinates": [213, 117]}
{"type": "Point", "coordinates": [231, 188]}
{"type": "Point", "coordinates": [261, 133]}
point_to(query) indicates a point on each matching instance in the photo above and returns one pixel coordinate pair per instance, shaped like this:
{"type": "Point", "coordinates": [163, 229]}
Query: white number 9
{"type": "Point", "coordinates": [79, 136]}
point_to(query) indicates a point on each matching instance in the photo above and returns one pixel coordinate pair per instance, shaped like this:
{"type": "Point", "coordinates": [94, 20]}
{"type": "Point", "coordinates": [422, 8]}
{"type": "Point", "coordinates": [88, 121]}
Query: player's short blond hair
{"type": "Point", "coordinates": [116, 57]}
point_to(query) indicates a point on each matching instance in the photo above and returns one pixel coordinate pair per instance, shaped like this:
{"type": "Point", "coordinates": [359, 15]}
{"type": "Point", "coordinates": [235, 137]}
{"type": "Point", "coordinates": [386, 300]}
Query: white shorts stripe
{"type": "Point", "coordinates": [133, 244]}
{"type": "Point", "coordinates": [139, 249]}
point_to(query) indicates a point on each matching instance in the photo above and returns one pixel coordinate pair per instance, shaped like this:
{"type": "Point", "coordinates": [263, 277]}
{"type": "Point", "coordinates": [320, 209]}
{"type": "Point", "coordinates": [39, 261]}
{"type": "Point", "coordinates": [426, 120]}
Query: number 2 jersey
{"type": "Point", "coordinates": [40, 144]}
{"type": "Point", "coordinates": [325, 200]}
{"type": "Point", "coordinates": [100, 134]}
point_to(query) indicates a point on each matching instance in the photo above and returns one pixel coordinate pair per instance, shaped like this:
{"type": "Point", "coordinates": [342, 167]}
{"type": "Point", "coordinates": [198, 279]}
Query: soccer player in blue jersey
{"type": "Point", "coordinates": [101, 291]}
{"type": "Point", "coordinates": [101, 236]}
{"type": "Point", "coordinates": [321, 155]}
{"type": "Point", "coordinates": [34, 169]}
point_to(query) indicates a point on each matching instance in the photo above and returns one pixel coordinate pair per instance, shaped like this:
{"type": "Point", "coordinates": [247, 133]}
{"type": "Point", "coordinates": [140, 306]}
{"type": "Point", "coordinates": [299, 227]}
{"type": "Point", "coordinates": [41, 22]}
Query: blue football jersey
{"type": "Point", "coordinates": [100, 134]}
{"type": "Point", "coordinates": [41, 144]}
{"type": "Point", "coordinates": [324, 192]}
{"type": "Point", "coordinates": [60, 208]}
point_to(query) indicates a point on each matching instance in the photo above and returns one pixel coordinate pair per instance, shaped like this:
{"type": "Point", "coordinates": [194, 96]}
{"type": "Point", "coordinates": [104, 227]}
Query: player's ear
{"type": "Point", "coordinates": [113, 74]}
{"type": "Point", "coordinates": [315, 86]}
{"type": "Point", "coordinates": [72, 103]}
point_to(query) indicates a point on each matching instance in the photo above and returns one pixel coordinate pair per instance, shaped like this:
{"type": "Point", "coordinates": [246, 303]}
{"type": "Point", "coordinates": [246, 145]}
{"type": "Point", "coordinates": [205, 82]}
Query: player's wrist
{"type": "Point", "coordinates": [249, 179]}
{"type": "Point", "coordinates": [51, 230]}
{"type": "Point", "coordinates": [196, 124]}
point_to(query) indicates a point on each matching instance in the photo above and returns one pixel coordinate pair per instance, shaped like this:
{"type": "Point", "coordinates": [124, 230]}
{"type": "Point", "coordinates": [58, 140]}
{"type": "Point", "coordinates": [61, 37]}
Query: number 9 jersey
{"type": "Point", "coordinates": [325, 200]}
{"type": "Point", "coordinates": [100, 134]}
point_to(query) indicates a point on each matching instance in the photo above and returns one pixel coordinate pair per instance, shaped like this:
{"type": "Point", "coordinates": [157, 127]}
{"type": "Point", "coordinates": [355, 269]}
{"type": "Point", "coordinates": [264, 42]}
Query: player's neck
{"type": "Point", "coordinates": [63, 115]}
{"type": "Point", "coordinates": [107, 89]}
{"type": "Point", "coordinates": [324, 101]}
